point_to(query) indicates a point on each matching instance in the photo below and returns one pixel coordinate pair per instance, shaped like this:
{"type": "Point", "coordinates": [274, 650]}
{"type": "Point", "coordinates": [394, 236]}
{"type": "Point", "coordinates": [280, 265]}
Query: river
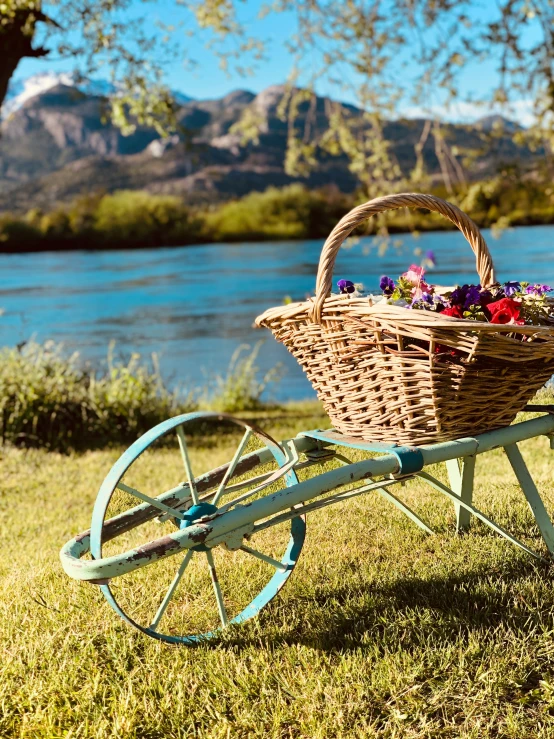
{"type": "Point", "coordinates": [194, 305]}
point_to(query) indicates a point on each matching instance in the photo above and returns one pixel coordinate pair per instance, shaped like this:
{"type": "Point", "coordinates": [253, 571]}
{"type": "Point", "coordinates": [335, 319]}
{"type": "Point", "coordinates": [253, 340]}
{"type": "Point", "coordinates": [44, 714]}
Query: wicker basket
{"type": "Point", "coordinates": [382, 371]}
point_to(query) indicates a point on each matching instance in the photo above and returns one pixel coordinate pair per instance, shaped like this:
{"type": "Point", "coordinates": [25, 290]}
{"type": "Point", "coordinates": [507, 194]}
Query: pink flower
{"type": "Point", "coordinates": [422, 287]}
{"type": "Point", "coordinates": [414, 274]}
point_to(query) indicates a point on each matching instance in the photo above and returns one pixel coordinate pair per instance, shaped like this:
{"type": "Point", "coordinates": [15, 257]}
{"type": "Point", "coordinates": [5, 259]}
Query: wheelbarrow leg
{"type": "Point", "coordinates": [462, 474]}
{"type": "Point", "coordinates": [532, 494]}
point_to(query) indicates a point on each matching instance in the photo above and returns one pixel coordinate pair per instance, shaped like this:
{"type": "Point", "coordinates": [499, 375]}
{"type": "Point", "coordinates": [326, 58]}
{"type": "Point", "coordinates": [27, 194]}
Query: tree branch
{"type": "Point", "coordinates": [37, 53]}
{"type": "Point", "coordinates": [17, 43]}
{"type": "Point", "coordinates": [40, 17]}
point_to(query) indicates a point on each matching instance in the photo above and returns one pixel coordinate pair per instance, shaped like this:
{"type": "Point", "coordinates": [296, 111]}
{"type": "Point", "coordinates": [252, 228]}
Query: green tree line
{"type": "Point", "coordinates": [129, 219]}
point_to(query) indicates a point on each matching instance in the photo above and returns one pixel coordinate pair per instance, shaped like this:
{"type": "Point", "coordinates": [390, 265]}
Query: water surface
{"type": "Point", "coordinates": [194, 305]}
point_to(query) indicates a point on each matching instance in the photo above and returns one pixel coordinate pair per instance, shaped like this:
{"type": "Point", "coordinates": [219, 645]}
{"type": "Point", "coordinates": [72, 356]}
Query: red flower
{"type": "Point", "coordinates": [505, 311]}
{"type": "Point", "coordinates": [455, 312]}
{"type": "Point", "coordinates": [442, 349]}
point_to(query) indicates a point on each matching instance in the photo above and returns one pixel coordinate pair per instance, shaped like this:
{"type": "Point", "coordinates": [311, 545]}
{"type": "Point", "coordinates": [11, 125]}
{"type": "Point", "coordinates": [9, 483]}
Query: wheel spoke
{"type": "Point", "coordinates": [266, 480]}
{"type": "Point", "coordinates": [169, 595]}
{"type": "Point", "coordinates": [217, 589]}
{"type": "Point", "coordinates": [247, 483]}
{"type": "Point", "coordinates": [186, 462]}
{"type": "Point", "coordinates": [259, 555]}
{"type": "Point", "coordinates": [233, 464]}
{"type": "Point", "coordinates": [147, 499]}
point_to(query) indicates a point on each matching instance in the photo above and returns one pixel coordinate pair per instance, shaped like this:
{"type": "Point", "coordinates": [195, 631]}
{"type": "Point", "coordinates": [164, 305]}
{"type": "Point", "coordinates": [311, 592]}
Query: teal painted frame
{"type": "Point", "coordinates": [296, 495]}
{"type": "Point", "coordinates": [394, 462]}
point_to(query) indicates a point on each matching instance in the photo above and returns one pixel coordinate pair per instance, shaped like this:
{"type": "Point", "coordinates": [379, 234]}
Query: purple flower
{"type": "Point", "coordinates": [538, 289]}
{"type": "Point", "coordinates": [430, 257]}
{"type": "Point", "coordinates": [473, 296]}
{"type": "Point", "coordinates": [425, 302]}
{"type": "Point", "coordinates": [485, 298]}
{"type": "Point", "coordinates": [387, 285]}
{"type": "Point", "coordinates": [459, 295]}
{"type": "Point", "coordinates": [511, 288]}
{"type": "Point", "coordinates": [345, 286]}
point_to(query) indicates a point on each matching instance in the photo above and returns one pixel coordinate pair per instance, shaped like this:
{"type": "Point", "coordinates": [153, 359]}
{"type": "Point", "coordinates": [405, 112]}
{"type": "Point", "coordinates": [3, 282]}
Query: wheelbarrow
{"type": "Point", "coordinates": [218, 546]}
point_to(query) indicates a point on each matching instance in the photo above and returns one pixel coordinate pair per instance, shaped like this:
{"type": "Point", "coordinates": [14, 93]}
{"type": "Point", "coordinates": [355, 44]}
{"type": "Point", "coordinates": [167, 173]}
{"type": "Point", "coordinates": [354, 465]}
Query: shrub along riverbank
{"type": "Point", "coordinates": [129, 219]}
{"type": "Point", "coordinates": [138, 219]}
{"type": "Point", "coordinates": [48, 400]}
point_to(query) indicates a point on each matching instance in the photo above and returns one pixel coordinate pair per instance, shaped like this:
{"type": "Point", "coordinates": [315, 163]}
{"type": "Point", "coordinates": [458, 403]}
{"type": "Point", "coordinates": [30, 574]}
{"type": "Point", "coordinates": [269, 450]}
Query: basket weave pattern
{"type": "Point", "coordinates": [385, 373]}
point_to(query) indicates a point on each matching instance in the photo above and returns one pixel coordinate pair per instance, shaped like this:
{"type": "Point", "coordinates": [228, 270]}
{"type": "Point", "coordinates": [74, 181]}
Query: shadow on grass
{"type": "Point", "coordinates": [411, 613]}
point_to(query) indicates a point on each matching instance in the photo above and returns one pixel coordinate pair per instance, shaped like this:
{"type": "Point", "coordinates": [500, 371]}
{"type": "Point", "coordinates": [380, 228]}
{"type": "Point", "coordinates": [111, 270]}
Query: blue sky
{"type": "Point", "coordinates": [207, 80]}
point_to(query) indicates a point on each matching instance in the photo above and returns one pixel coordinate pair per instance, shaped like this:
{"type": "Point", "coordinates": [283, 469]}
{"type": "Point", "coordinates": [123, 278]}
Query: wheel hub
{"type": "Point", "coordinates": [193, 514]}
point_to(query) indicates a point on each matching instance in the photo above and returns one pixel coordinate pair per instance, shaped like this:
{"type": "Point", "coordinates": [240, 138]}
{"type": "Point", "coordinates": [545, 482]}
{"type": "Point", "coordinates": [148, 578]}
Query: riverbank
{"type": "Point", "coordinates": [136, 219]}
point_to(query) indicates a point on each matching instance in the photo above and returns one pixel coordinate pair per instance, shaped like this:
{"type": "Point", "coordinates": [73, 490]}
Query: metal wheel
{"type": "Point", "coordinates": [189, 597]}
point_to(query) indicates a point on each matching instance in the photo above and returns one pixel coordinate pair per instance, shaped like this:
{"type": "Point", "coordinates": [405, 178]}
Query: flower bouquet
{"type": "Point", "coordinates": [511, 303]}
{"type": "Point", "coordinates": [517, 303]}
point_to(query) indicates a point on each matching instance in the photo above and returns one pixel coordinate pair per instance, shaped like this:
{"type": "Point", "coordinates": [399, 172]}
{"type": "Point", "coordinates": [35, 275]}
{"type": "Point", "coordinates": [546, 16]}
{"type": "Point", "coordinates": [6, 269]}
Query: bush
{"type": "Point", "coordinates": [127, 218]}
{"type": "Point", "coordinates": [510, 199]}
{"type": "Point", "coordinates": [140, 219]}
{"type": "Point", "coordinates": [240, 389]}
{"type": "Point", "coordinates": [288, 213]}
{"type": "Point", "coordinates": [47, 400]}
{"type": "Point", "coordinates": [18, 235]}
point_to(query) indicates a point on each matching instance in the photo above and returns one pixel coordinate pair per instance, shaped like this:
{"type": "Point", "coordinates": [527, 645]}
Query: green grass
{"type": "Point", "coordinates": [380, 632]}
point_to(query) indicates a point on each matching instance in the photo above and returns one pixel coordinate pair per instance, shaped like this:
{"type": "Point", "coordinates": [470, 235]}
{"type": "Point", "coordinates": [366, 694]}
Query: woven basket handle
{"type": "Point", "coordinates": [346, 225]}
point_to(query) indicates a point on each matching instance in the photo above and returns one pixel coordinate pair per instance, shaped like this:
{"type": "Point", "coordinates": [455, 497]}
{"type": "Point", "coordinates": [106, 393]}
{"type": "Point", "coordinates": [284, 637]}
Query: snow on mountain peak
{"type": "Point", "coordinates": [21, 90]}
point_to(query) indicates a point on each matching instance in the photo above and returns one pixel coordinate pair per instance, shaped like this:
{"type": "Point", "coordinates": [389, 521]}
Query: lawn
{"type": "Point", "coordinates": [382, 631]}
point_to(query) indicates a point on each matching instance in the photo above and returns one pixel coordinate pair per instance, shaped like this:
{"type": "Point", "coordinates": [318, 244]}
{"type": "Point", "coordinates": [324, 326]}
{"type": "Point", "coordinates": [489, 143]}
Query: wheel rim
{"type": "Point", "coordinates": [185, 563]}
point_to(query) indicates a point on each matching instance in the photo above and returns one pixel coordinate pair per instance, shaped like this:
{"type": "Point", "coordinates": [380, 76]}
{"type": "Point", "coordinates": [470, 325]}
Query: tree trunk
{"type": "Point", "coordinates": [8, 65]}
{"type": "Point", "coordinates": [16, 44]}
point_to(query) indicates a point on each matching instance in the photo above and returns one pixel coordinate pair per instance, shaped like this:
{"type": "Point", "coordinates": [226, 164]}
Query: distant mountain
{"type": "Point", "coordinates": [57, 144]}
{"type": "Point", "coordinates": [491, 122]}
{"type": "Point", "coordinates": [21, 90]}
